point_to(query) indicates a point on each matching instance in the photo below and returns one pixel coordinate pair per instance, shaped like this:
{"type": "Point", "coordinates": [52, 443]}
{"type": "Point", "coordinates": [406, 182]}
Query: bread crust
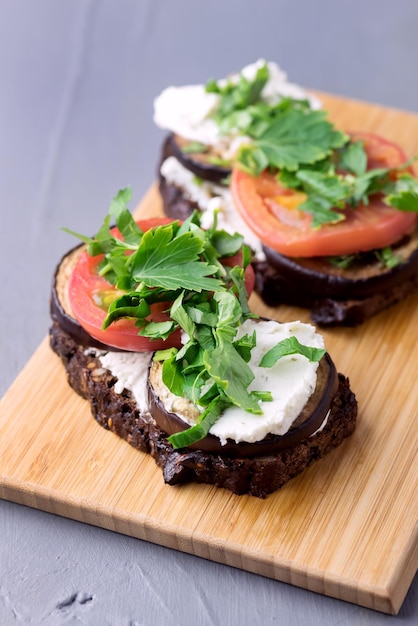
{"type": "Point", "coordinates": [257, 476]}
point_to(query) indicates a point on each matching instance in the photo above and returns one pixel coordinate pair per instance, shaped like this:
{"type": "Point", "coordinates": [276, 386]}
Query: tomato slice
{"type": "Point", "coordinates": [270, 210]}
{"type": "Point", "coordinates": [249, 275]}
{"type": "Point", "coordinates": [91, 294]}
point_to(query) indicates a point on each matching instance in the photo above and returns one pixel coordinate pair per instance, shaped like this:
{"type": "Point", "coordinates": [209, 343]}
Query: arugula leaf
{"type": "Point", "coordinates": [289, 346]}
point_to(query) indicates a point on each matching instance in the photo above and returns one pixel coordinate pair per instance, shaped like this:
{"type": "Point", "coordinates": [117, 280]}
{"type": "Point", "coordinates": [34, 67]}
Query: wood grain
{"type": "Point", "coordinates": [347, 527]}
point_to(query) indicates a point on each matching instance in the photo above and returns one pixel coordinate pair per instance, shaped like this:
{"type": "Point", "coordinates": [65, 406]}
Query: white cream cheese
{"type": "Point", "coordinates": [292, 380]}
{"type": "Point", "coordinates": [131, 371]}
{"type": "Point", "coordinates": [187, 110]}
{"type": "Point", "coordinates": [210, 198]}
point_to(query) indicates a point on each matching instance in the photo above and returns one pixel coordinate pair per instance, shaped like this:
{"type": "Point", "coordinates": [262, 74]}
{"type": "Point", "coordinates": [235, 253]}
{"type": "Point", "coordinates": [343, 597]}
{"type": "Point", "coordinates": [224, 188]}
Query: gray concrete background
{"type": "Point", "coordinates": [77, 81]}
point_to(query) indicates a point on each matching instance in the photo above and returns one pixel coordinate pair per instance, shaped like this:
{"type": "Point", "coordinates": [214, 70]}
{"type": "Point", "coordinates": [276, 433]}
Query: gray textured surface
{"type": "Point", "coordinates": [77, 80]}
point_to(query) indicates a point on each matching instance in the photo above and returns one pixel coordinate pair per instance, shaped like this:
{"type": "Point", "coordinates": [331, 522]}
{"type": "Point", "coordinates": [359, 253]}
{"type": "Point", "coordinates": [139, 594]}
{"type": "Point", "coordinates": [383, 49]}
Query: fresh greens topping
{"type": "Point", "coordinates": [180, 265]}
{"type": "Point", "coordinates": [157, 265]}
{"type": "Point", "coordinates": [212, 368]}
{"type": "Point", "coordinates": [293, 137]}
{"type": "Point", "coordinates": [342, 261]}
{"type": "Point", "coordinates": [290, 346]}
{"type": "Point", "coordinates": [310, 154]}
{"type": "Point", "coordinates": [236, 96]}
{"type": "Point", "coordinates": [387, 257]}
{"type": "Point", "coordinates": [194, 147]}
{"type": "Point", "coordinates": [341, 181]}
{"type": "Point", "coordinates": [403, 193]}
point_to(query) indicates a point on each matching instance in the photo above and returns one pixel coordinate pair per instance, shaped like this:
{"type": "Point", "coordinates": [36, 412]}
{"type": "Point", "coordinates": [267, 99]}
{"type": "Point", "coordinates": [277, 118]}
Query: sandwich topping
{"type": "Point", "coordinates": [197, 112]}
{"type": "Point", "coordinates": [342, 205]}
{"type": "Point", "coordinates": [303, 187]}
{"type": "Point", "coordinates": [197, 280]}
{"type": "Point", "coordinates": [288, 383]}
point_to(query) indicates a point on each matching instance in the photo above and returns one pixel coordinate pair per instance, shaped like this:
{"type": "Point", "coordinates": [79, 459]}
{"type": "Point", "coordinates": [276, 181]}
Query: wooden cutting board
{"type": "Point", "coordinates": [345, 528]}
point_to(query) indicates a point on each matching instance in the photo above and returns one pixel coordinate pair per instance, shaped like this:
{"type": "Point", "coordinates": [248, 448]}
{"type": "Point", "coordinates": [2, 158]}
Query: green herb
{"type": "Point", "coordinates": [403, 193]}
{"type": "Point", "coordinates": [160, 265]}
{"type": "Point", "coordinates": [387, 257]}
{"type": "Point", "coordinates": [194, 147]}
{"type": "Point", "coordinates": [180, 264]}
{"type": "Point", "coordinates": [310, 154]}
{"type": "Point", "coordinates": [216, 374]}
{"type": "Point", "coordinates": [330, 194]}
{"type": "Point", "coordinates": [290, 346]}
{"type": "Point", "coordinates": [293, 138]}
{"type": "Point", "coordinates": [198, 181]}
{"type": "Point", "coordinates": [343, 261]}
{"type": "Point", "coordinates": [215, 160]}
{"type": "Point", "coordinates": [354, 158]}
{"type": "Point", "coordinates": [199, 431]}
{"type": "Point", "coordinates": [238, 95]}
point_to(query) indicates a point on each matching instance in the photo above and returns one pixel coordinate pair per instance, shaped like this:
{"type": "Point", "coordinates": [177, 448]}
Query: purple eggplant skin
{"type": "Point", "coordinates": [198, 163]}
{"type": "Point", "coordinates": [366, 277]}
{"type": "Point", "coordinates": [60, 310]}
{"type": "Point", "coordinates": [309, 421]}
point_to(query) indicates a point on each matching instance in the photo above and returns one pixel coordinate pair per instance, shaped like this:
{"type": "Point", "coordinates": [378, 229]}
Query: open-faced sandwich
{"type": "Point", "coordinates": [152, 322]}
{"type": "Point", "coordinates": [331, 217]}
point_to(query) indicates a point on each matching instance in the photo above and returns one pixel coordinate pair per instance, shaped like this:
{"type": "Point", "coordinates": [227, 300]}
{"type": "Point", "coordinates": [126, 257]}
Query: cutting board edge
{"type": "Point", "coordinates": [386, 599]}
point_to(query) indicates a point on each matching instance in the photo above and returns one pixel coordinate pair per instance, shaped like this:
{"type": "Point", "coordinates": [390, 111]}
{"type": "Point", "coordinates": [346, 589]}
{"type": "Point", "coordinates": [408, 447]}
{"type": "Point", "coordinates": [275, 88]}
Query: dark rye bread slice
{"type": "Point", "coordinates": [335, 297]}
{"type": "Point", "coordinates": [257, 476]}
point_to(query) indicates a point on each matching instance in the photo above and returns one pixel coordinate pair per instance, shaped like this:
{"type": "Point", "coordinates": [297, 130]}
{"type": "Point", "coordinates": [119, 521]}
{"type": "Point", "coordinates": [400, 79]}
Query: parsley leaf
{"type": "Point", "coordinates": [290, 346]}
{"type": "Point", "coordinates": [164, 261]}
{"type": "Point", "coordinates": [353, 158]}
{"type": "Point", "coordinates": [387, 257]}
{"type": "Point", "coordinates": [238, 94]}
{"type": "Point", "coordinates": [404, 195]}
{"type": "Point", "coordinates": [197, 432]}
{"type": "Point", "coordinates": [194, 147]}
{"type": "Point", "coordinates": [293, 138]}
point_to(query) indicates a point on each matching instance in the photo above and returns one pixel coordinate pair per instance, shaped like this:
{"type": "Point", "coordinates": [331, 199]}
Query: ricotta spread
{"type": "Point", "coordinates": [187, 110]}
{"type": "Point", "coordinates": [210, 198]}
{"type": "Point", "coordinates": [131, 371]}
{"type": "Point", "coordinates": [291, 381]}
